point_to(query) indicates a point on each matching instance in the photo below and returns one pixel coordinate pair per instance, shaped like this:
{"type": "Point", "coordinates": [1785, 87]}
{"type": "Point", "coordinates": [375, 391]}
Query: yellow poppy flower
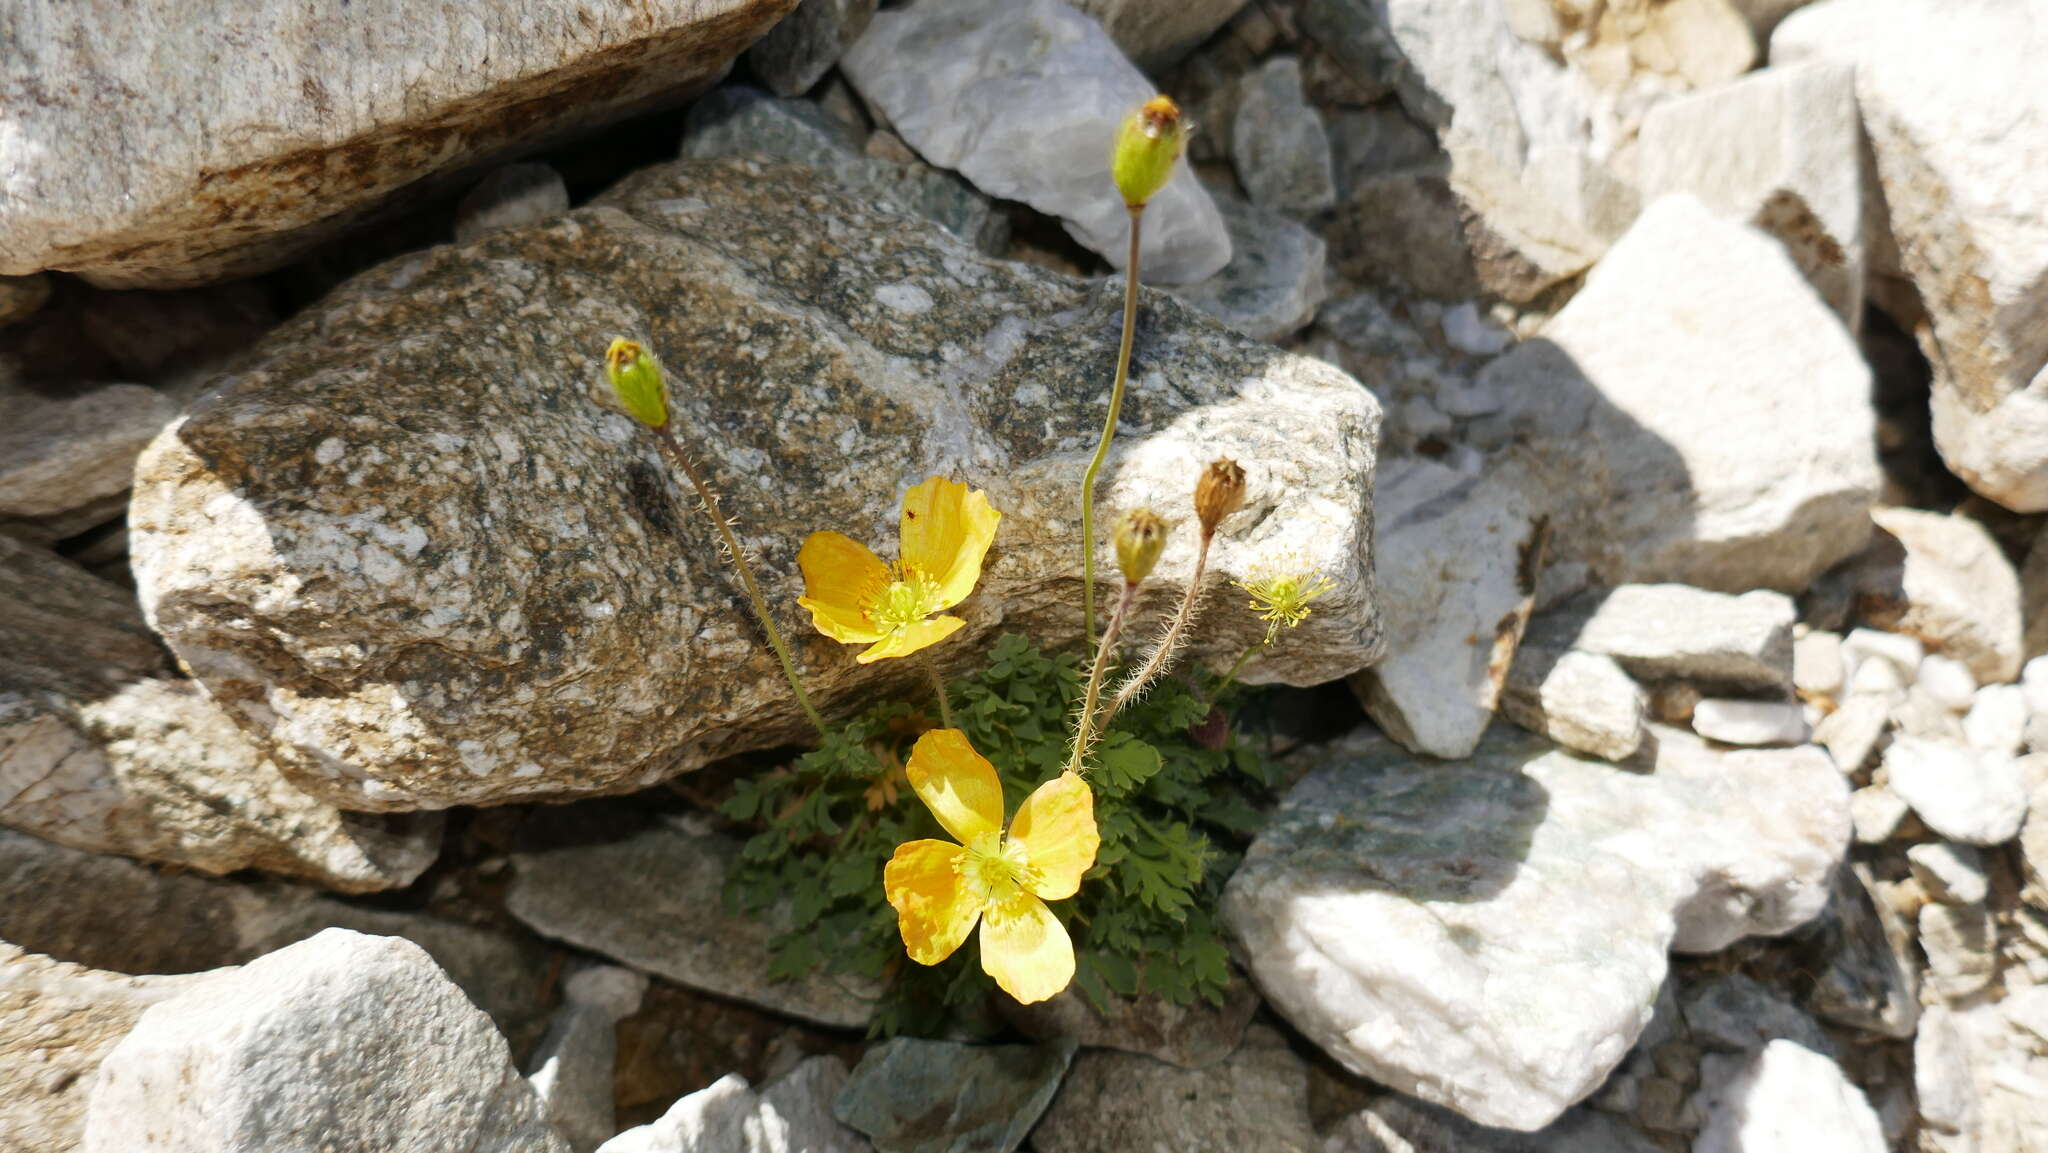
{"type": "Point", "coordinates": [857, 599]}
{"type": "Point", "coordinates": [940, 889]}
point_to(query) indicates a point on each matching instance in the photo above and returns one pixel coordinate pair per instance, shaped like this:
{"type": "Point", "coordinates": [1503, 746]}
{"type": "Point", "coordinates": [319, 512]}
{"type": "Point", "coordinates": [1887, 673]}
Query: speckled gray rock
{"type": "Point", "coordinates": [1704, 417]}
{"type": "Point", "coordinates": [650, 893]}
{"type": "Point", "coordinates": [737, 121]}
{"type": "Point", "coordinates": [210, 161]}
{"type": "Point", "coordinates": [57, 1021]}
{"type": "Point", "coordinates": [1957, 592]}
{"type": "Point", "coordinates": [1274, 282]}
{"type": "Point", "coordinates": [1155, 33]}
{"type": "Point", "coordinates": [1490, 934]}
{"type": "Point", "coordinates": [379, 579]}
{"type": "Point", "coordinates": [804, 1098]}
{"type": "Point", "coordinates": [804, 45]}
{"type": "Point", "coordinates": [1458, 557]}
{"type": "Point", "coordinates": [1278, 143]}
{"type": "Point", "coordinates": [912, 1096]}
{"type": "Point", "coordinates": [66, 455]}
{"type": "Point", "coordinates": [1736, 1013]}
{"type": "Point", "coordinates": [1675, 632]}
{"type": "Point", "coordinates": [341, 1041]}
{"type": "Point", "coordinates": [1023, 97]}
{"type": "Point", "coordinates": [509, 197]}
{"type": "Point", "coordinates": [1967, 195]}
{"type": "Point", "coordinates": [104, 747]}
{"type": "Point", "coordinates": [1395, 1124]}
{"type": "Point", "coordinates": [1256, 1101]}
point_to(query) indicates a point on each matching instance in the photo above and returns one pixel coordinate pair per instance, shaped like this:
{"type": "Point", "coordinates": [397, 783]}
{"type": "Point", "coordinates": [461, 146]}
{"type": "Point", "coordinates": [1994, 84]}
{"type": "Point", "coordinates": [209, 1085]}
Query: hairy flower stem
{"type": "Point", "coordinates": [1161, 657]}
{"type": "Point", "coordinates": [1116, 406]}
{"type": "Point", "coordinates": [666, 437]}
{"type": "Point", "coordinates": [1084, 727]}
{"type": "Point", "coordinates": [939, 692]}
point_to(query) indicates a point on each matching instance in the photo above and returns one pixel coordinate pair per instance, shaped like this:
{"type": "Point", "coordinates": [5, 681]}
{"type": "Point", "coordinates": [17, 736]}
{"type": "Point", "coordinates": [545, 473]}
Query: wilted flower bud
{"type": "Point", "coordinates": [1140, 538]}
{"type": "Point", "coordinates": [1219, 493]}
{"type": "Point", "coordinates": [636, 380]}
{"type": "Point", "coordinates": [1147, 146]}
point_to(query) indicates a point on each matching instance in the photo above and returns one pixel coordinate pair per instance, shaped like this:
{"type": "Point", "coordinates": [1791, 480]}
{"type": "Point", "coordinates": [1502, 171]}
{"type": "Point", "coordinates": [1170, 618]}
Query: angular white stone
{"type": "Point", "coordinates": [1817, 666]}
{"type": "Point", "coordinates": [343, 1041]}
{"type": "Point", "coordinates": [1960, 156]}
{"type": "Point", "coordinates": [1960, 595]}
{"type": "Point", "coordinates": [1997, 721]}
{"type": "Point", "coordinates": [1750, 722]}
{"type": "Point", "coordinates": [1947, 681]}
{"type": "Point", "coordinates": [1701, 416]}
{"type": "Point", "coordinates": [1877, 811]}
{"type": "Point", "coordinates": [1023, 97]}
{"type": "Point", "coordinates": [2034, 680]}
{"type": "Point", "coordinates": [1491, 934]}
{"type": "Point", "coordinates": [1787, 1098]}
{"type": "Point", "coordinates": [1674, 632]}
{"type": "Point", "coordinates": [724, 1117]}
{"type": "Point", "coordinates": [1878, 678]}
{"type": "Point", "coordinates": [1949, 872]}
{"type": "Point", "coordinates": [1903, 652]}
{"type": "Point", "coordinates": [1975, 798]}
{"type": "Point", "coordinates": [1274, 282]}
{"type": "Point", "coordinates": [1961, 947]}
{"type": "Point", "coordinates": [573, 1068]}
{"type": "Point", "coordinates": [1851, 732]}
{"type": "Point", "coordinates": [1583, 701]}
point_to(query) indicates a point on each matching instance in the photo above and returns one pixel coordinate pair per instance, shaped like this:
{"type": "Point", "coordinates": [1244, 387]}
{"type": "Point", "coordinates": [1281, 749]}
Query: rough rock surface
{"type": "Point", "coordinates": [66, 455]}
{"type": "Point", "coordinates": [487, 585]}
{"type": "Point", "coordinates": [1674, 632]}
{"type": "Point", "coordinates": [210, 164]}
{"type": "Point", "coordinates": [574, 1068]}
{"type": "Point", "coordinates": [1960, 164]}
{"type": "Point", "coordinates": [913, 1096]}
{"type": "Point", "coordinates": [1155, 33]}
{"type": "Point", "coordinates": [1457, 557]}
{"type": "Point", "coordinates": [1957, 592]}
{"type": "Point", "coordinates": [651, 894]}
{"type": "Point", "coordinates": [1868, 981]}
{"type": "Point", "coordinates": [1278, 143]}
{"type": "Point", "coordinates": [1191, 1036]}
{"type": "Point", "coordinates": [1490, 934]}
{"type": "Point", "coordinates": [509, 197]}
{"type": "Point", "coordinates": [1021, 97]}
{"type": "Point", "coordinates": [804, 45]}
{"type": "Point", "coordinates": [1975, 798]}
{"type": "Point", "coordinates": [1787, 1097]}
{"type": "Point", "coordinates": [1395, 1124]}
{"type": "Point", "coordinates": [1706, 418]}
{"type": "Point", "coordinates": [791, 1115]}
{"type": "Point", "coordinates": [1583, 701]}
{"type": "Point", "coordinates": [1254, 1102]}
{"type": "Point", "coordinates": [57, 1022]}
{"type": "Point", "coordinates": [341, 1041]}
{"type": "Point", "coordinates": [1274, 282]}
{"type": "Point", "coordinates": [104, 748]}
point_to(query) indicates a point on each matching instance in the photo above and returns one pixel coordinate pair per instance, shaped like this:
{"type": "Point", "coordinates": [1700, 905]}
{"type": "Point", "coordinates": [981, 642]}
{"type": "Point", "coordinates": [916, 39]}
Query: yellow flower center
{"type": "Point", "coordinates": [905, 601]}
{"type": "Point", "coordinates": [996, 867]}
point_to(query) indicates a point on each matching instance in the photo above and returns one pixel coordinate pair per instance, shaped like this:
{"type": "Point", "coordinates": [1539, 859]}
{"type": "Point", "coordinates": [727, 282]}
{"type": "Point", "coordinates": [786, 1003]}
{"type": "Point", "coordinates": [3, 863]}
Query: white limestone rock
{"type": "Point", "coordinates": [1877, 812]}
{"type": "Point", "coordinates": [1703, 418]}
{"type": "Point", "coordinates": [342, 1041]}
{"type": "Point", "coordinates": [723, 1117]}
{"type": "Point", "coordinates": [1674, 632]}
{"type": "Point", "coordinates": [1784, 1097]}
{"type": "Point", "coordinates": [1778, 149]}
{"type": "Point", "coordinates": [1851, 733]}
{"type": "Point", "coordinates": [1457, 585]}
{"type": "Point", "coordinates": [1957, 592]}
{"type": "Point", "coordinates": [1022, 97]}
{"type": "Point", "coordinates": [1975, 798]}
{"type": "Point", "coordinates": [1817, 667]}
{"type": "Point", "coordinates": [1490, 934]}
{"type": "Point", "coordinates": [1997, 721]}
{"type": "Point", "coordinates": [1959, 157]}
{"type": "Point", "coordinates": [573, 1069]}
{"type": "Point", "coordinates": [512, 196]}
{"type": "Point", "coordinates": [1948, 681]}
{"type": "Point", "coordinates": [1961, 946]}
{"type": "Point", "coordinates": [1952, 873]}
{"type": "Point", "coordinates": [1750, 722]}
{"type": "Point", "coordinates": [1583, 701]}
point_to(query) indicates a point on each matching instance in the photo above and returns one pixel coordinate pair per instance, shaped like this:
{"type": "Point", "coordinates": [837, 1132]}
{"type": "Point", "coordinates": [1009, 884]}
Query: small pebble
{"type": "Point", "coordinates": [1817, 664]}
{"type": "Point", "coordinates": [1948, 872]}
{"type": "Point", "coordinates": [2034, 680]}
{"type": "Point", "coordinates": [1876, 676]}
{"type": "Point", "coordinates": [1902, 651]}
{"type": "Point", "coordinates": [1997, 722]}
{"type": "Point", "coordinates": [1473, 334]}
{"type": "Point", "coordinates": [1948, 681]}
{"type": "Point", "coordinates": [1750, 722]}
{"type": "Point", "coordinates": [1876, 812]}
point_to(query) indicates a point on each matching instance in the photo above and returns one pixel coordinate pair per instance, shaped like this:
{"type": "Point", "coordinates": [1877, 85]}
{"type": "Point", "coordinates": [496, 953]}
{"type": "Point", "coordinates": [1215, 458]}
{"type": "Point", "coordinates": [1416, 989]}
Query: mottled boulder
{"type": "Point", "coordinates": [104, 747]}
{"type": "Point", "coordinates": [210, 160]}
{"type": "Point", "coordinates": [408, 543]}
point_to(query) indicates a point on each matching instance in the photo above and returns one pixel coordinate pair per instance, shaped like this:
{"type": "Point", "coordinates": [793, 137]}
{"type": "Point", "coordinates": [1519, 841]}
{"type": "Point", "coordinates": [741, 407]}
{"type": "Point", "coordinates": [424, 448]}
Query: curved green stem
{"type": "Point", "coordinates": [939, 690]}
{"type": "Point", "coordinates": [1116, 406]}
{"type": "Point", "coordinates": [1236, 667]}
{"type": "Point", "coordinates": [666, 437]}
{"type": "Point", "coordinates": [1084, 727]}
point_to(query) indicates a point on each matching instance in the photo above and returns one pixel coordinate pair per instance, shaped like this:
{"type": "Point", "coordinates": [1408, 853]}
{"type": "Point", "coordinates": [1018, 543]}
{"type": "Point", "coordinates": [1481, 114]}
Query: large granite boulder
{"type": "Point", "coordinates": [407, 542]}
{"type": "Point", "coordinates": [212, 159]}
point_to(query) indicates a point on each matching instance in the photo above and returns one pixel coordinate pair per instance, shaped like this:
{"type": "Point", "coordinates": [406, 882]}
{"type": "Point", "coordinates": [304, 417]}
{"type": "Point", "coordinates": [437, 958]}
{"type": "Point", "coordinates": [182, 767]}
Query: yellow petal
{"type": "Point", "coordinates": [1026, 949]}
{"type": "Point", "coordinates": [957, 784]}
{"type": "Point", "coordinates": [1056, 826]}
{"type": "Point", "coordinates": [841, 576]}
{"type": "Point", "coordinates": [933, 909]}
{"type": "Point", "coordinates": [910, 638]}
{"type": "Point", "coordinates": [946, 531]}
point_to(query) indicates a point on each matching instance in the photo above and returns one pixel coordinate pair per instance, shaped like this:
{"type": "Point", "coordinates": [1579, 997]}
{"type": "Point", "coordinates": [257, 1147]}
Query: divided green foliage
{"type": "Point", "coordinates": [1174, 815]}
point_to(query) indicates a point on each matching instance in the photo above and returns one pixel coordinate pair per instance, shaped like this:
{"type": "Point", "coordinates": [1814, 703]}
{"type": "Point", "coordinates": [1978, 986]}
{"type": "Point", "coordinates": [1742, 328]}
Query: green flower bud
{"type": "Point", "coordinates": [1140, 538]}
{"type": "Point", "coordinates": [1147, 146]}
{"type": "Point", "coordinates": [636, 380]}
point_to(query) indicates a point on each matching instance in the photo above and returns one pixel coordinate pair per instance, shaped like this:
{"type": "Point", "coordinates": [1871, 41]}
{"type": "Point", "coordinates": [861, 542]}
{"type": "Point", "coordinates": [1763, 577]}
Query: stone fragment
{"type": "Point", "coordinates": [104, 748]}
{"type": "Point", "coordinates": [1719, 435]}
{"type": "Point", "coordinates": [1458, 557]}
{"type": "Point", "coordinates": [2034, 684]}
{"type": "Point", "coordinates": [1961, 947]}
{"type": "Point", "coordinates": [1583, 701]}
{"type": "Point", "coordinates": [1739, 1014]}
{"type": "Point", "coordinates": [913, 1096]}
{"type": "Point", "coordinates": [1673, 632]}
{"type": "Point", "coordinates": [1903, 653]}
{"type": "Point", "coordinates": [1967, 202]}
{"type": "Point", "coordinates": [1850, 733]}
{"type": "Point", "coordinates": [57, 1022]}
{"type": "Point", "coordinates": [1950, 872]}
{"type": "Point", "coordinates": [1997, 721]}
{"type": "Point", "coordinates": [209, 165]}
{"type": "Point", "coordinates": [1817, 667]}
{"type": "Point", "coordinates": [1975, 798]}
{"type": "Point", "coordinates": [1947, 1095]}
{"type": "Point", "coordinates": [1880, 679]}
{"type": "Point", "coordinates": [1156, 33]}
{"type": "Point", "coordinates": [67, 455]}
{"type": "Point", "coordinates": [729, 1117]}
{"type": "Point", "coordinates": [1877, 812]}
{"type": "Point", "coordinates": [1472, 334]}
{"type": "Point", "coordinates": [2034, 846]}
{"type": "Point", "coordinates": [1369, 143]}
{"type": "Point", "coordinates": [651, 893]}
{"type": "Point", "coordinates": [804, 1098]}
{"type": "Point", "coordinates": [1023, 97]}
{"type": "Point", "coordinates": [735, 121]}
{"type": "Point", "coordinates": [397, 609]}
{"type": "Point", "coordinates": [1192, 1036]}
{"type": "Point", "coordinates": [804, 45]}
{"type": "Point", "coordinates": [1395, 909]}
{"type": "Point", "coordinates": [1396, 1124]}
{"type": "Point", "coordinates": [1869, 978]}
{"type": "Point", "coordinates": [573, 1068]}
{"type": "Point", "coordinates": [341, 1041]}
{"type": "Point", "coordinates": [1256, 1101]}
{"type": "Point", "coordinates": [1948, 681]}
{"type": "Point", "coordinates": [1787, 1097]}
{"type": "Point", "coordinates": [1915, 713]}
{"type": "Point", "coordinates": [510, 197]}
{"type": "Point", "coordinates": [1750, 722]}
{"type": "Point", "coordinates": [1780, 150]}
{"type": "Point", "coordinates": [1959, 594]}
{"type": "Point", "coordinates": [1278, 143]}
{"type": "Point", "coordinates": [1273, 284]}
{"type": "Point", "coordinates": [21, 296]}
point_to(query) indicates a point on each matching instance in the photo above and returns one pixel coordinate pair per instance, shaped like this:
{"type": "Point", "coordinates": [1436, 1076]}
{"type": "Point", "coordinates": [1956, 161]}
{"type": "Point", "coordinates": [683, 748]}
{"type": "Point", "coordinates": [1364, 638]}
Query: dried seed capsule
{"type": "Point", "coordinates": [1219, 492]}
